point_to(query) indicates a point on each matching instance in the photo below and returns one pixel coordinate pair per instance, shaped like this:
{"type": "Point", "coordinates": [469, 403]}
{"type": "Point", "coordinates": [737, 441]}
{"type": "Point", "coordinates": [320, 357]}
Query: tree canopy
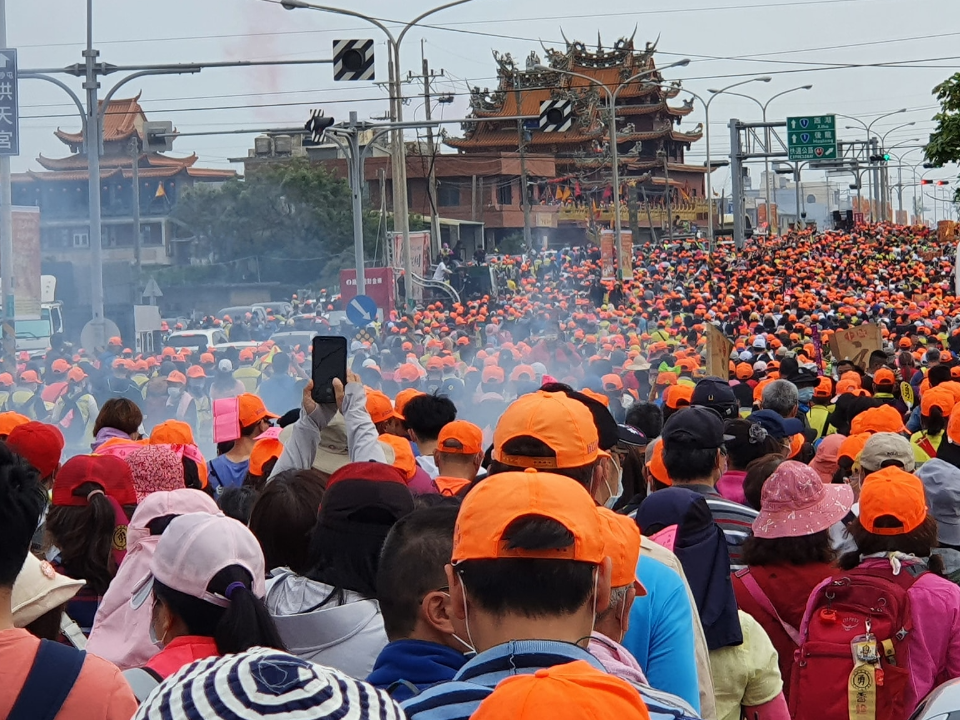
{"type": "Point", "coordinates": [944, 144]}
{"type": "Point", "coordinates": [296, 216]}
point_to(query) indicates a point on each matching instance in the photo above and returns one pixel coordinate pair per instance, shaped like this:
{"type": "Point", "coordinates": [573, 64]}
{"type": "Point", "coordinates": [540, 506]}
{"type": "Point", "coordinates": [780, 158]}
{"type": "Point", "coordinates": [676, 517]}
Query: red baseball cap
{"type": "Point", "coordinates": [109, 472]}
{"type": "Point", "coordinates": [39, 444]}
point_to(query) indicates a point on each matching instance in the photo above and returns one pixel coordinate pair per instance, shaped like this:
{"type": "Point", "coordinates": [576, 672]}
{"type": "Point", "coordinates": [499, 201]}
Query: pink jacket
{"type": "Point", "coordinates": [935, 641]}
{"type": "Point", "coordinates": [121, 634]}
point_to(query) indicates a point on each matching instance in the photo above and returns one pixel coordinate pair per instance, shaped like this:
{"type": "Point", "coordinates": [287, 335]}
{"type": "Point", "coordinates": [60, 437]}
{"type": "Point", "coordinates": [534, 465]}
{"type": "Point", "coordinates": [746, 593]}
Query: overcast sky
{"type": "Point", "coordinates": [797, 42]}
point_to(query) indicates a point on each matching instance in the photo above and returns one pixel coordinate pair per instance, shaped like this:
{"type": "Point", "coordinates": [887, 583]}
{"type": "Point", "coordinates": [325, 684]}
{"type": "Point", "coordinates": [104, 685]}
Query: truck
{"type": "Point", "coordinates": [33, 336]}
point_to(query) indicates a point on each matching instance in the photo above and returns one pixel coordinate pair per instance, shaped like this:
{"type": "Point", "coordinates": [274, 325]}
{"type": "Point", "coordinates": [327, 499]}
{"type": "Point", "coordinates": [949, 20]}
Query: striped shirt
{"type": "Point", "coordinates": [734, 519]}
{"type": "Point", "coordinates": [460, 698]}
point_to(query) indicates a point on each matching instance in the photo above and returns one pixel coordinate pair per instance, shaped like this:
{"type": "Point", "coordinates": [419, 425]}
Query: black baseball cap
{"type": "Point", "coordinates": [776, 426]}
{"type": "Point", "coordinates": [716, 393]}
{"type": "Point", "coordinates": [631, 437]}
{"type": "Point", "coordinates": [695, 427]}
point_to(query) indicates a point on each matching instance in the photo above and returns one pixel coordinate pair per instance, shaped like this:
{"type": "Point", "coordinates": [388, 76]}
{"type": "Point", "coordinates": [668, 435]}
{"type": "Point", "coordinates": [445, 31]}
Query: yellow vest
{"type": "Point", "coordinates": [249, 377]}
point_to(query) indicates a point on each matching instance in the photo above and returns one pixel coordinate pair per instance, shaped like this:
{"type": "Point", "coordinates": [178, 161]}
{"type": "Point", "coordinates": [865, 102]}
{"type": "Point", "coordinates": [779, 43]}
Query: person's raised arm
{"type": "Point", "coordinates": [362, 436]}
{"type": "Point", "coordinates": [301, 448]}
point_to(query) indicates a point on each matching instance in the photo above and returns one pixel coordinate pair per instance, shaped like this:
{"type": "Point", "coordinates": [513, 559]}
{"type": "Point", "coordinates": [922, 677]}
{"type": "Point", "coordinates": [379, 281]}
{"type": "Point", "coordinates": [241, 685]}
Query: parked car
{"type": "Point", "coordinates": [279, 308]}
{"type": "Point", "coordinates": [240, 311]}
{"type": "Point", "coordinates": [197, 340]}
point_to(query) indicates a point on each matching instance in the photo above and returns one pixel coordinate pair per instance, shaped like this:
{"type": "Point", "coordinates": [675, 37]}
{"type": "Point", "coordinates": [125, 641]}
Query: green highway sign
{"type": "Point", "coordinates": [813, 137]}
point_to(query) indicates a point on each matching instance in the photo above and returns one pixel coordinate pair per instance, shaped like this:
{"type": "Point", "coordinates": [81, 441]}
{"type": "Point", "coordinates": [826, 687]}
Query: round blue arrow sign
{"type": "Point", "coordinates": [362, 310]}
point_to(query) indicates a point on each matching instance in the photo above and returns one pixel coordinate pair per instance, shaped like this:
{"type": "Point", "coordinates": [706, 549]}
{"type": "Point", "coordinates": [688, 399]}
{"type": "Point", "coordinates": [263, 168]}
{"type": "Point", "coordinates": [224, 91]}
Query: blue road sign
{"type": "Point", "coordinates": [9, 104]}
{"type": "Point", "coordinates": [362, 310]}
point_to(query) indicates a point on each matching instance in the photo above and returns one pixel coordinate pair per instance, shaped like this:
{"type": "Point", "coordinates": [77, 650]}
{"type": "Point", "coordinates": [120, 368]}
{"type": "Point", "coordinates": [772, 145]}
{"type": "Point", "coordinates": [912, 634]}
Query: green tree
{"type": "Point", "coordinates": [295, 218]}
{"type": "Point", "coordinates": [944, 144]}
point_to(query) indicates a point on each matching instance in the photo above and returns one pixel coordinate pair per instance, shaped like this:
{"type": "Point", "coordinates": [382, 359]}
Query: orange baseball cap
{"type": "Point", "coordinates": [879, 419]}
{"type": "Point", "coordinates": [380, 407]}
{"type": "Point", "coordinates": [522, 372]}
{"type": "Point", "coordinates": [884, 376]}
{"type": "Point", "coordinates": [796, 445]}
{"type": "Point", "coordinates": [6, 379]}
{"type": "Point", "coordinates": [115, 342]}
{"type": "Point", "coordinates": [937, 397]}
{"type": "Point", "coordinates": [460, 437]}
{"type": "Point", "coordinates": [196, 372]}
{"type": "Point", "coordinates": [172, 432]}
{"type": "Point", "coordinates": [852, 446]}
{"type": "Point", "coordinates": [677, 396]}
{"type": "Point", "coordinates": [76, 374]}
{"type": "Point", "coordinates": [403, 459]}
{"type": "Point", "coordinates": [29, 376]}
{"type": "Point", "coordinates": [263, 452]}
{"type": "Point", "coordinates": [563, 692]}
{"type": "Point", "coordinates": [435, 363]}
{"type": "Point", "coordinates": [824, 388]}
{"type": "Point", "coordinates": [953, 425]}
{"type": "Point", "coordinates": [667, 378]}
{"type": "Point", "coordinates": [599, 397]}
{"type": "Point", "coordinates": [177, 377]}
{"type": "Point", "coordinates": [563, 424]}
{"type": "Point", "coordinates": [246, 354]}
{"type": "Point", "coordinates": [895, 492]}
{"type": "Point", "coordinates": [407, 372]}
{"type": "Point", "coordinates": [621, 543]}
{"type": "Point", "coordinates": [10, 420]}
{"type": "Point", "coordinates": [60, 366]}
{"type": "Point", "coordinates": [744, 371]}
{"type": "Point", "coordinates": [252, 410]}
{"type": "Point", "coordinates": [403, 397]}
{"type": "Point", "coordinates": [611, 382]}
{"type": "Point", "coordinates": [493, 505]}
{"type": "Point", "coordinates": [657, 467]}
{"type": "Point", "coordinates": [492, 374]}
{"type": "Point", "coordinates": [207, 358]}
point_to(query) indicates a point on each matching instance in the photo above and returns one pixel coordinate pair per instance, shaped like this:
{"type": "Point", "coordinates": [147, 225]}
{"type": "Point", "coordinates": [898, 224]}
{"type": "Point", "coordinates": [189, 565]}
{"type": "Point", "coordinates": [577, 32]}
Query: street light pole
{"type": "Point", "coordinates": [767, 139]}
{"type": "Point", "coordinates": [866, 147]}
{"type": "Point", "coordinates": [612, 131]}
{"type": "Point", "coordinates": [706, 106]}
{"type": "Point", "coordinates": [401, 214]}
{"type": "Point", "coordinates": [6, 235]}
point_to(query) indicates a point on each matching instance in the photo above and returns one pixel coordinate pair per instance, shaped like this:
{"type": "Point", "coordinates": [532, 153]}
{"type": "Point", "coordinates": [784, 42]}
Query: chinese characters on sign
{"type": "Point", "coordinates": [9, 104]}
{"type": "Point", "coordinates": [812, 138]}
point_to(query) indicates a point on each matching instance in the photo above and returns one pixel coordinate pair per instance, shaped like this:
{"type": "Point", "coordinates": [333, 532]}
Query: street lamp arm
{"type": "Point", "coordinates": [426, 14]}
{"type": "Point", "coordinates": [63, 86]}
{"type": "Point", "coordinates": [856, 120]}
{"type": "Point", "coordinates": [742, 95]}
{"type": "Point", "coordinates": [784, 92]}
{"type": "Point", "coordinates": [765, 78]}
{"type": "Point", "coordinates": [184, 70]}
{"type": "Point", "coordinates": [293, 4]}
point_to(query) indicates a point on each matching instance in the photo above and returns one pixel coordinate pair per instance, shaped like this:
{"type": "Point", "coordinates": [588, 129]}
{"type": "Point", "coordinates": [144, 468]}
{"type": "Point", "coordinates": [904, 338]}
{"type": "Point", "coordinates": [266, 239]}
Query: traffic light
{"type": "Point", "coordinates": [317, 125]}
{"type": "Point", "coordinates": [886, 157]}
{"type": "Point", "coordinates": [880, 158]}
{"type": "Point", "coordinates": [924, 181]}
{"type": "Point", "coordinates": [942, 182]}
{"type": "Point", "coordinates": [556, 115]}
{"type": "Point", "coordinates": [353, 60]}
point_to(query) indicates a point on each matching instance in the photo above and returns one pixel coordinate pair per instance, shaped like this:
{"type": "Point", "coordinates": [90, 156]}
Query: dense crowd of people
{"type": "Point", "coordinates": [526, 505]}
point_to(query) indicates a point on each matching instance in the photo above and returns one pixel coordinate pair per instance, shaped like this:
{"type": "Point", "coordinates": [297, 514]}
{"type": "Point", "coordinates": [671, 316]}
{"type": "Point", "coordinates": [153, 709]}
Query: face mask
{"type": "Point", "coordinates": [470, 649]}
{"type": "Point", "coordinates": [614, 496]}
{"type": "Point", "coordinates": [152, 632]}
{"type": "Point", "coordinates": [805, 395]}
{"type": "Point", "coordinates": [174, 392]}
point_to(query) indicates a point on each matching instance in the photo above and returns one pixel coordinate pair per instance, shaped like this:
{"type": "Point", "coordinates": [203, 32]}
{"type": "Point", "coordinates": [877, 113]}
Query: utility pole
{"type": "Point", "coordinates": [135, 179]}
{"type": "Point", "coordinates": [92, 139]}
{"type": "Point", "coordinates": [427, 76]}
{"type": "Point", "coordinates": [6, 232]}
{"type": "Point", "coordinates": [521, 143]}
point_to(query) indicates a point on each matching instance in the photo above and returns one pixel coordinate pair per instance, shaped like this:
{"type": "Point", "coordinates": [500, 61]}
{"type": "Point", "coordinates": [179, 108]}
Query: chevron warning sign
{"type": "Point", "coordinates": [556, 115]}
{"type": "Point", "coordinates": [353, 60]}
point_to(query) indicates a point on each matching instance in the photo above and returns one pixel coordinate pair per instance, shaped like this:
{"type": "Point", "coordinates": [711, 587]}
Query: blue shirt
{"type": "Point", "coordinates": [661, 632]}
{"type": "Point", "coordinates": [225, 473]}
{"type": "Point", "coordinates": [460, 698]}
{"type": "Point", "coordinates": [414, 662]}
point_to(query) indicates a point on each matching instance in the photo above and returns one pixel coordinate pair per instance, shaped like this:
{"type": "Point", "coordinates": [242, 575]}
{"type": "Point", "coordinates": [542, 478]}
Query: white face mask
{"type": "Point", "coordinates": [174, 391]}
{"type": "Point", "coordinates": [614, 496]}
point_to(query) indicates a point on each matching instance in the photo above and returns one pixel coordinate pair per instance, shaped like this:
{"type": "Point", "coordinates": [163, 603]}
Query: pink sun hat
{"type": "Point", "coordinates": [795, 502]}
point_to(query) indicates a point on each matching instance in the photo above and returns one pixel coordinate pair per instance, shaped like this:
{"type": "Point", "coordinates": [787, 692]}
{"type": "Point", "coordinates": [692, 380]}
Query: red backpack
{"type": "Point", "coordinates": [841, 616]}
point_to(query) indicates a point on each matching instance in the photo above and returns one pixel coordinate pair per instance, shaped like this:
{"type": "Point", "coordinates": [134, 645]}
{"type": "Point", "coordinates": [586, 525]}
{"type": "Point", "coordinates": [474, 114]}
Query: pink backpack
{"type": "Point", "coordinates": [863, 614]}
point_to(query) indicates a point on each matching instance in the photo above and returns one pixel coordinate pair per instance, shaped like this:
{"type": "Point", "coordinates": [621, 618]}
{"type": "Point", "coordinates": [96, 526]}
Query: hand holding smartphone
{"type": "Point", "coordinates": [329, 362]}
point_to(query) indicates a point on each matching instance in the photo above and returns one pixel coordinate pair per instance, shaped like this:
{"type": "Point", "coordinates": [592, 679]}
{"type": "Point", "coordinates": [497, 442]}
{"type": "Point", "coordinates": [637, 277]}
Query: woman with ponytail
{"type": "Point", "coordinates": [935, 407]}
{"type": "Point", "coordinates": [206, 584]}
{"type": "Point", "coordinates": [86, 528]}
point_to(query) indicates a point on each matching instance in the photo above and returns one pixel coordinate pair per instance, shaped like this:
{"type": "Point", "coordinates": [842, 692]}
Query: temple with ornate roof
{"type": "Point", "coordinates": [61, 193]}
{"type": "Point", "coordinates": [650, 144]}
